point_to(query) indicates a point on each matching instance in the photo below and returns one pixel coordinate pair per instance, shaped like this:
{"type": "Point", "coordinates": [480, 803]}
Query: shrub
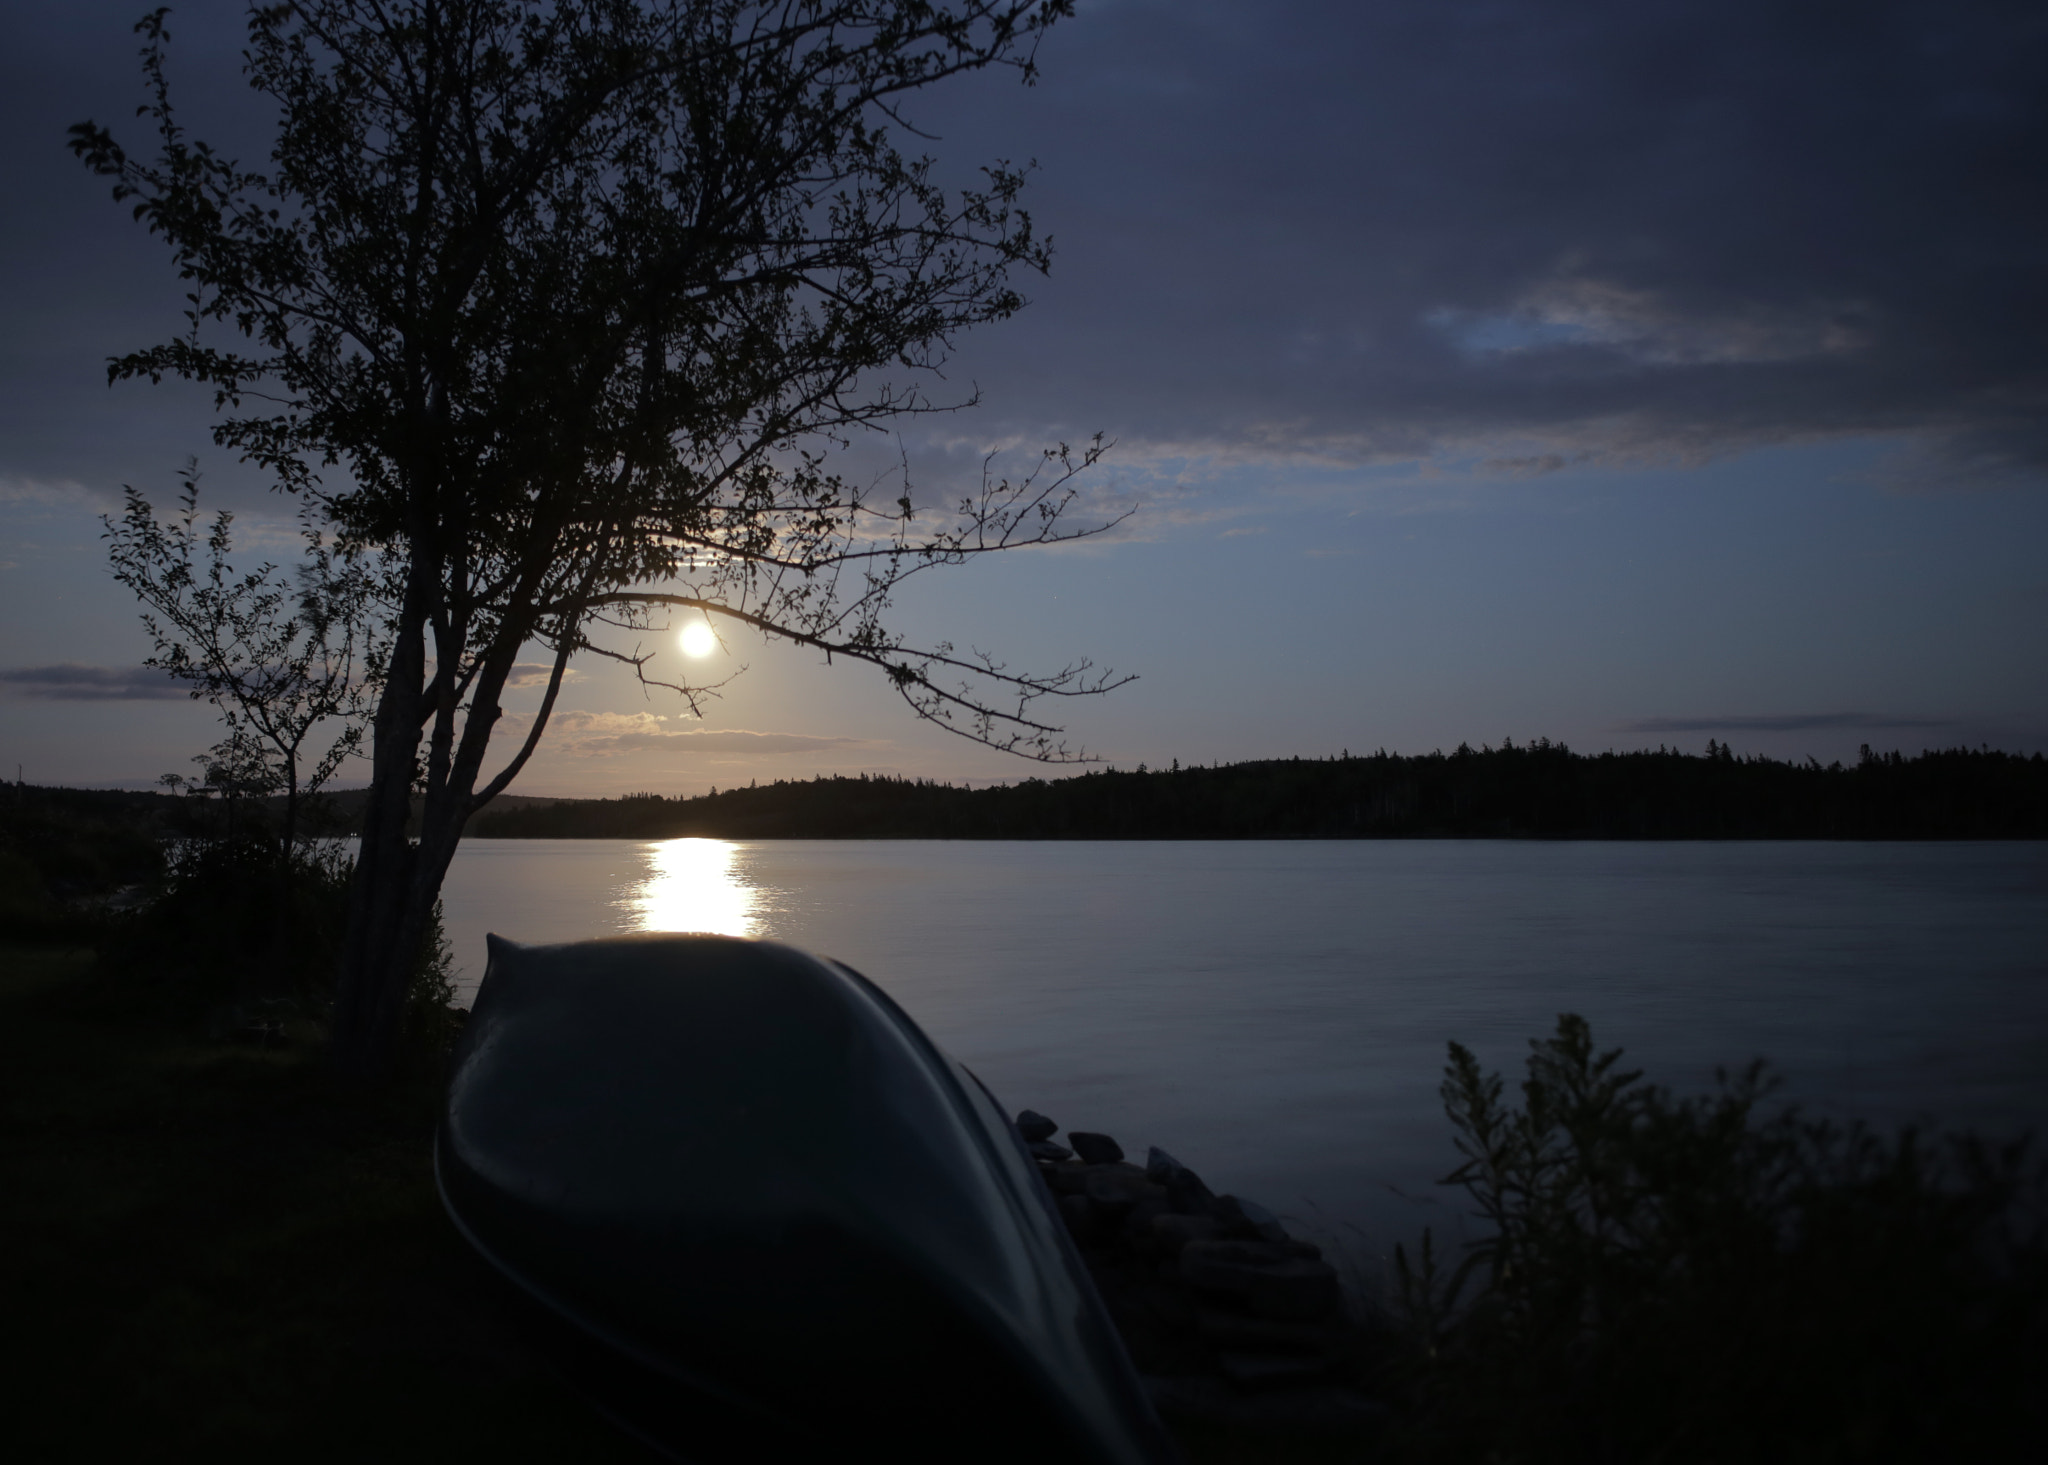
{"type": "Point", "coordinates": [231, 931]}
{"type": "Point", "coordinates": [228, 923]}
{"type": "Point", "coordinates": [432, 1020]}
{"type": "Point", "coordinates": [1694, 1280]}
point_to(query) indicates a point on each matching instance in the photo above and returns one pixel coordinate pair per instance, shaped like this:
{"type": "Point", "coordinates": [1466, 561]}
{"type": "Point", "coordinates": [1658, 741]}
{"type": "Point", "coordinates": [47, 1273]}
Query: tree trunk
{"type": "Point", "coordinates": [397, 879]}
{"type": "Point", "coordinates": [282, 918]}
{"type": "Point", "coordinates": [392, 893]}
{"type": "Point", "coordinates": [375, 955]}
{"type": "Point", "coordinates": [391, 906]}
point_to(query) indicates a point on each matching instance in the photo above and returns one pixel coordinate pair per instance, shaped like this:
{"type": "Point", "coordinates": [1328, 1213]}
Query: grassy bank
{"type": "Point", "coordinates": [211, 1251]}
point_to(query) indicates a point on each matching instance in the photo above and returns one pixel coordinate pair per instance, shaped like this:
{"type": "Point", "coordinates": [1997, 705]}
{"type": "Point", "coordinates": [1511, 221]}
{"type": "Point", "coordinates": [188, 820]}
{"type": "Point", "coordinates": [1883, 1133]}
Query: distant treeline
{"type": "Point", "coordinates": [1536, 790]}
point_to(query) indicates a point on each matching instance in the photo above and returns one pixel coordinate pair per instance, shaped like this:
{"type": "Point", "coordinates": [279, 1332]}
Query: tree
{"type": "Point", "coordinates": [559, 310]}
{"type": "Point", "coordinates": [279, 655]}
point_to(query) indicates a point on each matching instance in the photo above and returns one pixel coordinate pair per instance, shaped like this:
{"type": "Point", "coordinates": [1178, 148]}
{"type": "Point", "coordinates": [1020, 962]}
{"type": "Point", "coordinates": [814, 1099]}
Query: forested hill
{"type": "Point", "coordinates": [1537, 790]}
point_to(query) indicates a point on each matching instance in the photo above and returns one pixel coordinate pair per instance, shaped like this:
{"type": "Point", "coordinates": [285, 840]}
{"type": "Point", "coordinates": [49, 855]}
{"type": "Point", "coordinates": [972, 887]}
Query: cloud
{"type": "Point", "coordinates": [576, 721]}
{"type": "Point", "coordinates": [17, 490]}
{"type": "Point", "coordinates": [536, 674]}
{"type": "Point", "coordinates": [73, 681]}
{"type": "Point", "coordinates": [584, 734]}
{"type": "Point", "coordinates": [1790, 722]}
{"type": "Point", "coordinates": [733, 741]}
{"type": "Point", "coordinates": [1622, 232]}
{"type": "Point", "coordinates": [1640, 326]}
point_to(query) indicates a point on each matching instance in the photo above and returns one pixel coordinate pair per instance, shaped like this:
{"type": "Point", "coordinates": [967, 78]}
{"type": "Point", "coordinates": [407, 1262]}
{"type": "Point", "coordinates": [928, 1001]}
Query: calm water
{"type": "Point", "coordinates": [1275, 1013]}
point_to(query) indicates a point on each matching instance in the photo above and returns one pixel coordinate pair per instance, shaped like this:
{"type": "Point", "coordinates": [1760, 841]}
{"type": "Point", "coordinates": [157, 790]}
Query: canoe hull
{"type": "Point", "coordinates": [750, 1205]}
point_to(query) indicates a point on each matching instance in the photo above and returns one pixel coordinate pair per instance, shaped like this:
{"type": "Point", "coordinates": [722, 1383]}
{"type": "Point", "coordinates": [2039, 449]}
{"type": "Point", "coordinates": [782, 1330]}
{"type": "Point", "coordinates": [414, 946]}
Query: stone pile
{"type": "Point", "coordinates": [1224, 1313]}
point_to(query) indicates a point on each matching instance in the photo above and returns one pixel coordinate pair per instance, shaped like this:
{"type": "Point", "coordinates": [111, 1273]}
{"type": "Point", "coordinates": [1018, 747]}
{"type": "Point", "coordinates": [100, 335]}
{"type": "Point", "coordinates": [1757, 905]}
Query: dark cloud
{"type": "Point", "coordinates": [1536, 233]}
{"type": "Point", "coordinates": [1526, 234]}
{"type": "Point", "coordinates": [1791, 722]}
{"type": "Point", "coordinates": [73, 681]}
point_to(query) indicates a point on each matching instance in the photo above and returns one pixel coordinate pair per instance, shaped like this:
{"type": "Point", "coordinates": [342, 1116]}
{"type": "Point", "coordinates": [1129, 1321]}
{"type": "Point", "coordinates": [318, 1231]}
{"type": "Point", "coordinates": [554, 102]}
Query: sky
{"type": "Point", "coordinates": [1627, 374]}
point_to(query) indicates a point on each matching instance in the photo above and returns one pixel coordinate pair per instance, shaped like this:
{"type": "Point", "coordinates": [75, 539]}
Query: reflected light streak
{"type": "Point", "coordinates": [693, 885]}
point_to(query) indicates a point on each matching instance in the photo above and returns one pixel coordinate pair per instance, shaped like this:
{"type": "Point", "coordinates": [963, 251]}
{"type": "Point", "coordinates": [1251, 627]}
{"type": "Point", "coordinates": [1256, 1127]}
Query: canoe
{"type": "Point", "coordinates": [752, 1210]}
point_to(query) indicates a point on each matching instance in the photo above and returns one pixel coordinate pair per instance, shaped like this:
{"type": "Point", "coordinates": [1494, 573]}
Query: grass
{"type": "Point", "coordinates": [212, 1252]}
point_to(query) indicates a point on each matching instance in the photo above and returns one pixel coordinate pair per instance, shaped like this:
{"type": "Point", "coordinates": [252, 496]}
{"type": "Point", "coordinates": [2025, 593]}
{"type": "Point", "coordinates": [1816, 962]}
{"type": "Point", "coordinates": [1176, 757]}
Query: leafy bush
{"type": "Point", "coordinates": [229, 923]}
{"type": "Point", "coordinates": [1693, 1280]}
{"type": "Point", "coordinates": [231, 930]}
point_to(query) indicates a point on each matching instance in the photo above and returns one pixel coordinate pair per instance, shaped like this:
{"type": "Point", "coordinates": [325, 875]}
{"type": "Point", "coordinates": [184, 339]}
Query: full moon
{"type": "Point", "coordinates": [699, 639]}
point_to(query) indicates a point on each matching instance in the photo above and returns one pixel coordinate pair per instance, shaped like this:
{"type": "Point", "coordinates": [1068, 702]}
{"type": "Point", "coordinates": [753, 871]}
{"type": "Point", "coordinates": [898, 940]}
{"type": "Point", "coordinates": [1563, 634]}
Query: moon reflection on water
{"type": "Point", "coordinates": [694, 885]}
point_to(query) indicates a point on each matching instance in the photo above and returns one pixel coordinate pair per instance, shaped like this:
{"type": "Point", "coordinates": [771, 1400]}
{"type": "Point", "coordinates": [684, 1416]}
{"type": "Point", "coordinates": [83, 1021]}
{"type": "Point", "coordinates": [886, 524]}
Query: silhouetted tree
{"type": "Point", "coordinates": [574, 292]}
{"type": "Point", "coordinates": [278, 654]}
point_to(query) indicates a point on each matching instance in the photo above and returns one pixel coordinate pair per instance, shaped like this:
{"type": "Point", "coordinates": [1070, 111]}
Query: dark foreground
{"type": "Point", "coordinates": [213, 1253]}
{"type": "Point", "coordinates": [210, 1252]}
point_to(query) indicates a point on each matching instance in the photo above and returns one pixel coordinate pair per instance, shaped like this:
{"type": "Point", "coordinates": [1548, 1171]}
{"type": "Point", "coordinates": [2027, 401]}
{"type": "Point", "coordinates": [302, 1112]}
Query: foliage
{"type": "Point", "coordinates": [432, 1019]}
{"type": "Point", "coordinates": [210, 935]}
{"type": "Point", "coordinates": [1694, 1280]}
{"type": "Point", "coordinates": [579, 295]}
{"type": "Point", "coordinates": [208, 940]}
{"type": "Point", "coordinates": [277, 655]}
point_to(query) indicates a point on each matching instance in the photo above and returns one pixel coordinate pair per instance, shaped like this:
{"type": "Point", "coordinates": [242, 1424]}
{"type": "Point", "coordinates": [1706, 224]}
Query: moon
{"type": "Point", "coordinates": [699, 639]}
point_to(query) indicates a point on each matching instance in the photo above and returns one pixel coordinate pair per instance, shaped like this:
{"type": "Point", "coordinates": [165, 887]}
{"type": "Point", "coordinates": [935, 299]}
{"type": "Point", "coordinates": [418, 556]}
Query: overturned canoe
{"type": "Point", "coordinates": [751, 1207]}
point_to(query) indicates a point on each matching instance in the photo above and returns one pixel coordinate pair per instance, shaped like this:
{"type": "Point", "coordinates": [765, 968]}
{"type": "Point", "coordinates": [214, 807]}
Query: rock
{"type": "Point", "coordinates": [1270, 1371]}
{"type": "Point", "coordinates": [1116, 1188]}
{"type": "Point", "coordinates": [1034, 1126]}
{"type": "Point", "coordinates": [1173, 1231]}
{"type": "Point", "coordinates": [1296, 1291]}
{"type": "Point", "coordinates": [1095, 1149]}
{"type": "Point", "coordinates": [1226, 1210]}
{"type": "Point", "coordinates": [1065, 1178]}
{"type": "Point", "coordinates": [1246, 1334]}
{"type": "Point", "coordinates": [1143, 1212]}
{"type": "Point", "coordinates": [1184, 1188]}
{"type": "Point", "coordinates": [1263, 1221]}
{"type": "Point", "coordinates": [1171, 1304]}
{"type": "Point", "coordinates": [1081, 1217]}
{"type": "Point", "coordinates": [1272, 1279]}
{"type": "Point", "coordinates": [1252, 1221]}
{"type": "Point", "coordinates": [1045, 1149]}
{"type": "Point", "coordinates": [1221, 1265]}
{"type": "Point", "coordinates": [1162, 1167]}
{"type": "Point", "coordinates": [1323, 1409]}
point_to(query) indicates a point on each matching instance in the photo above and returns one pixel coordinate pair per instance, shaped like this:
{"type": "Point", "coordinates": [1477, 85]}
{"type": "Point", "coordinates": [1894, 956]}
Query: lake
{"type": "Point", "coordinates": [1274, 1013]}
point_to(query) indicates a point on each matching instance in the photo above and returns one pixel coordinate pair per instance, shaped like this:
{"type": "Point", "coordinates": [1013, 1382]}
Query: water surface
{"type": "Point", "coordinates": [1275, 1013]}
